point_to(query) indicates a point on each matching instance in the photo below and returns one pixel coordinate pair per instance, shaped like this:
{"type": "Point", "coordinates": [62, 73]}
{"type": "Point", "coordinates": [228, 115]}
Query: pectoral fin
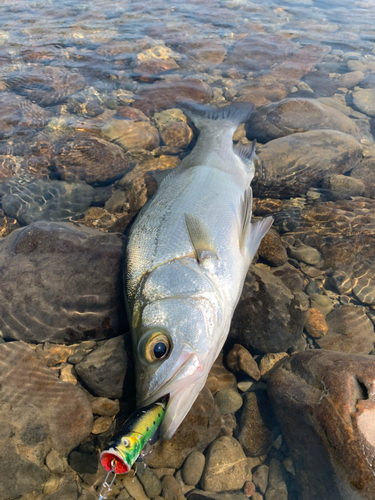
{"type": "Point", "coordinates": [245, 216]}
{"type": "Point", "coordinates": [257, 232]}
{"type": "Point", "coordinates": [200, 238]}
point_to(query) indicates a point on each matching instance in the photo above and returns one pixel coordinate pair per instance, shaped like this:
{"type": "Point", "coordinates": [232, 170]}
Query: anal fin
{"type": "Point", "coordinates": [200, 238]}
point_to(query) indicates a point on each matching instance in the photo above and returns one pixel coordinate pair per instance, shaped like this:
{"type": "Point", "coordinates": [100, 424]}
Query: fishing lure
{"type": "Point", "coordinates": [124, 449]}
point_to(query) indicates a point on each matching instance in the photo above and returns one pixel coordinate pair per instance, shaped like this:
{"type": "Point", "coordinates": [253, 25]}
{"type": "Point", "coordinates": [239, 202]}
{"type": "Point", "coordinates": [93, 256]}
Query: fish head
{"type": "Point", "coordinates": [176, 342]}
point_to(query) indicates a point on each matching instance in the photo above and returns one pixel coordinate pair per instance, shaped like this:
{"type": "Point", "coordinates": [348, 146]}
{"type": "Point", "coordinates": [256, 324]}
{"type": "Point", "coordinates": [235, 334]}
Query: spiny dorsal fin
{"type": "Point", "coordinates": [200, 237]}
{"type": "Point", "coordinates": [246, 151]}
{"type": "Point", "coordinates": [245, 216]}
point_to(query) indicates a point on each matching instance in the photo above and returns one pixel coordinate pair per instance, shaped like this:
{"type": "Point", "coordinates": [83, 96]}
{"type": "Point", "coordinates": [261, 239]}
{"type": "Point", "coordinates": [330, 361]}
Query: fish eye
{"type": "Point", "coordinates": [157, 347]}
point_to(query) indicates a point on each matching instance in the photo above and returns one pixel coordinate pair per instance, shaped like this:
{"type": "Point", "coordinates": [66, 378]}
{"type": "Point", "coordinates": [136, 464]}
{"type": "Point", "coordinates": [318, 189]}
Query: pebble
{"type": "Point", "coordinates": [171, 489]}
{"type": "Point", "coordinates": [226, 467]}
{"type": "Point", "coordinates": [321, 302]}
{"type": "Point", "coordinates": [134, 487]}
{"type": "Point", "coordinates": [192, 469]}
{"type": "Point", "coordinates": [276, 489]}
{"type": "Point", "coordinates": [101, 425]}
{"type": "Point", "coordinates": [271, 249]}
{"type": "Point", "coordinates": [364, 100]}
{"type": "Point", "coordinates": [315, 323]}
{"type": "Point", "coordinates": [56, 463]}
{"type": "Point", "coordinates": [68, 374]}
{"type": "Point", "coordinates": [344, 185]}
{"type": "Point", "coordinates": [105, 407]}
{"type": "Point", "coordinates": [132, 135]}
{"type": "Point", "coordinates": [260, 478]}
{"type": "Point", "coordinates": [249, 489]}
{"type": "Point", "coordinates": [228, 401]}
{"type": "Point", "coordinates": [269, 362]}
{"type": "Point", "coordinates": [306, 254]}
{"type": "Point", "coordinates": [239, 358]}
{"type": "Point", "coordinates": [150, 481]}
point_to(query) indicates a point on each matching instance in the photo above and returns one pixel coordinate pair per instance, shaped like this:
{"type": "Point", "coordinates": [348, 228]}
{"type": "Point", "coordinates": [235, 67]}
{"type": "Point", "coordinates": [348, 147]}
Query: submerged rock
{"type": "Point", "coordinates": [325, 404]}
{"type": "Point", "coordinates": [60, 284]}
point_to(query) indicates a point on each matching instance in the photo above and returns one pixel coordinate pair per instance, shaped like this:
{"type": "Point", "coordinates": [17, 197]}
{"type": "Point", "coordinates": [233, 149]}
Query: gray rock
{"type": "Point", "coordinates": [226, 466]}
{"type": "Point", "coordinates": [351, 79]}
{"type": "Point", "coordinates": [209, 495]}
{"type": "Point", "coordinates": [268, 317]}
{"type": "Point", "coordinates": [117, 203]}
{"type": "Point", "coordinates": [276, 489]}
{"type": "Point", "coordinates": [321, 302]}
{"type": "Point", "coordinates": [289, 166]}
{"type": "Point", "coordinates": [104, 369]}
{"type": "Point", "coordinates": [256, 430]}
{"type": "Point", "coordinates": [64, 406]}
{"type": "Point", "coordinates": [364, 290]}
{"type": "Point", "coordinates": [291, 116]}
{"type": "Point", "coordinates": [260, 477]}
{"type": "Point", "coordinates": [45, 200]}
{"type": "Point", "coordinates": [171, 489]}
{"type": "Point", "coordinates": [67, 490]}
{"type": "Point", "coordinates": [306, 254]}
{"type": "Point", "coordinates": [364, 100]}
{"type": "Point", "coordinates": [228, 401]}
{"type": "Point", "coordinates": [291, 277]}
{"type": "Point", "coordinates": [368, 82]}
{"type": "Point", "coordinates": [192, 469]}
{"type": "Point", "coordinates": [344, 185]}
{"type": "Point", "coordinates": [60, 283]}
{"type": "Point", "coordinates": [150, 481]}
{"type": "Point", "coordinates": [349, 330]}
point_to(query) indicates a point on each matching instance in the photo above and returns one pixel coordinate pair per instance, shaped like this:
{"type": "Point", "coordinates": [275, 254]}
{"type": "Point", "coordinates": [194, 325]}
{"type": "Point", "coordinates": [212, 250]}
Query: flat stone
{"type": "Point", "coordinates": [326, 409]}
{"type": "Point", "coordinates": [271, 249]}
{"type": "Point", "coordinates": [291, 277]}
{"type": "Point", "coordinates": [132, 135]}
{"type": "Point", "coordinates": [276, 489]}
{"type": "Point", "coordinates": [321, 302]}
{"type": "Point", "coordinates": [364, 100]}
{"type": "Point", "coordinates": [192, 469]}
{"type": "Point", "coordinates": [290, 165]}
{"type": "Point", "coordinates": [291, 116]}
{"type": "Point", "coordinates": [228, 401]}
{"type": "Point", "coordinates": [46, 292]}
{"type": "Point", "coordinates": [344, 185]}
{"type": "Point", "coordinates": [350, 79]}
{"type": "Point", "coordinates": [269, 362]}
{"type": "Point", "coordinates": [260, 478]}
{"type": "Point", "coordinates": [64, 406]}
{"type": "Point", "coordinates": [104, 369]}
{"type": "Point", "coordinates": [150, 481]}
{"type": "Point", "coordinates": [306, 254]}
{"type": "Point", "coordinates": [315, 323]}
{"type": "Point", "coordinates": [239, 358]}
{"type": "Point", "coordinates": [268, 317]}
{"type": "Point", "coordinates": [134, 487]}
{"type": "Point", "coordinates": [226, 466]}
{"type": "Point", "coordinates": [105, 407]}
{"type": "Point", "coordinates": [349, 330]}
{"type": "Point", "coordinates": [255, 431]}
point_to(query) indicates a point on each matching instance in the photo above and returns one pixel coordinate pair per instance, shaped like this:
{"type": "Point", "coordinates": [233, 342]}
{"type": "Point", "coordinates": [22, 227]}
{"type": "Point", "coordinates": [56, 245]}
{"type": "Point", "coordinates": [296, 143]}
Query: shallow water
{"type": "Point", "coordinates": [86, 93]}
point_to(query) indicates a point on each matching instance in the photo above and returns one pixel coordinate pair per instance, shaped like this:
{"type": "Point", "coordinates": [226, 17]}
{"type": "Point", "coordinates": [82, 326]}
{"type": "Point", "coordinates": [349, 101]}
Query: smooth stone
{"type": "Point", "coordinates": [239, 358]}
{"type": "Point", "coordinates": [50, 259]}
{"type": "Point", "coordinates": [105, 407]}
{"type": "Point", "coordinates": [364, 100]}
{"type": "Point", "coordinates": [255, 431]}
{"type": "Point", "coordinates": [315, 323]}
{"type": "Point", "coordinates": [192, 469]}
{"type": "Point", "coordinates": [65, 407]}
{"type": "Point", "coordinates": [306, 254]}
{"type": "Point", "coordinates": [269, 362]}
{"type": "Point", "coordinates": [260, 478]}
{"type": "Point", "coordinates": [226, 466]}
{"type": "Point", "coordinates": [67, 489]}
{"type": "Point", "coordinates": [272, 250]}
{"type": "Point", "coordinates": [312, 288]}
{"type": "Point", "coordinates": [344, 184]}
{"type": "Point", "coordinates": [291, 116]}
{"type": "Point", "coordinates": [223, 378]}
{"type": "Point", "coordinates": [291, 277]}
{"type": "Point", "coordinates": [351, 79]}
{"type": "Point", "coordinates": [104, 369]}
{"type": "Point", "coordinates": [118, 202]}
{"type": "Point", "coordinates": [134, 487]}
{"type": "Point", "coordinates": [326, 410]}
{"type": "Point", "coordinates": [368, 82]}
{"type": "Point", "coordinates": [290, 165]}
{"type": "Point", "coordinates": [228, 401]}
{"type": "Point", "coordinates": [349, 330]}
{"type": "Point", "coordinates": [132, 135]}
{"type": "Point", "coordinates": [276, 489]}
{"type": "Point", "coordinates": [268, 317]}
{"type": "Point", "coordinates": [321, 302]}
{"type": "Point", "coordinates": [173, 128]}
{"type": "Point", "coordinates": [150, 481]}
{"type": "Point", "coordinates": [56, 463]}
{"type": "Point", "coordinates": [101, 425]}
{"type": "Point", "coordinates": [200, 427]}
{"type": "Point", "coordinates": [171, 489]}
{"type": "Point", "coordinates": [364, 290]}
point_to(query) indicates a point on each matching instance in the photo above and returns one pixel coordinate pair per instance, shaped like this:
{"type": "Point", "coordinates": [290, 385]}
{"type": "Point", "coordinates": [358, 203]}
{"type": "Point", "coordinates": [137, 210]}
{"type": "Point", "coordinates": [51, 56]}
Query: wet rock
{"type": "Point", "coordinates": [104, 369]}
{"type": "Point", "coordinates": [101, 425]}
{"type": "Point", "coordinates": [150, 481]}
{"type": "Point", "coordinates": [7, 224]}
{"type": "Point", "coordinates": [46, 292]}
{"type": "Point", "coordinates": [290, 165]}
{"type": "Point", "coordinates": [44, 200]}
{"type": "Point", "coordinates": [148, 71]}
{"type": "Point", "coordinates": [315, 323]}
{"type": "Point", "coordinates": [9, 166]}
{"type": "Point", "coordinates": [105, 407]}
{"type": "Point", "coordinates": [276, 489]}
{"type": "Point", "coordinates": [269, 362]}
{"type": "Point", "coordinates": [220, 377]}
{"type": "Point", "coordinates": [364, 100]}
{"type": "Point", "coordinates": [56, 463]}
{"type": "Point", "coordinates": [130, 113]}
{"type": "Point", "coordinates": [226, 466]}
{"type": "Point", "coordinates": [46, 85]}
{"type": "Point", "coordinates": [249, 489]}
{"type": "Point", "coordinates": [268, 317]}
{"type": "Point", "coordinates": [364, 289]}
{"type": "Point", "coordinates": [83, 463]}
{"type": "Point", "coordinates": [207, 52]}
{"type": "Point", "coordinates": [228, 401]}
{"type": "Point", "coordinates": [321, 302]}
{"type": "Point", "coordinates": [209, 495]}
{"type": "Point", "coordinates": [90, 159]}
{"type": "Point", "coordinates": [368, 82]}
{"type": "Point", "coordinates": [321, 83]}
{"type": "Point", "coordinates": [260, 51]}
{"type": "Point", "coordinates": [349, 330]}
{"type": "Point", "coordinates": [260, 478]}
{"type": "Point", "coordinates": [271, 249]}
{"type": "Point", "coordinates": [173, 128]}
{"type": "Point", "coordinates": [239, 358]}
{"type": "Point", "coordinates": [117, 203]}
{"type": "Point", "coordinates": [291, 116]}
{"type": "Point", "coordinates": [266, 206]}
{"type": "Point", "coordinates": [306, 254]}
{"type": "Point", "coordinates": [255, 431]}
{"type": "Point", "coordinates": [200, 427]}
{"type": "Point", "coordinates": [134, 487]}
{"type": "Point", "coordinates": [192, 469]}
{"type": "Point", "coordinates": [325, 406]}
{"type": "Point", "coordinates": [65, 408]}
{"type": "Point", "coordinates": [165, 95]}
{"type": "Point", "coordinates": [344, 185]}
{"type": "Point", "coordinates": [291, 277]}
{"type": "Point", "coordinates": [171, 489]}
{"type": "Point", "coordinates": [351, 79]}
{"type": "Point", "coordinates": [67, 489]}
{"type": "Point", "coordinates": [340, 282]}
{"type": "Point", "coordinates": [132, 135]}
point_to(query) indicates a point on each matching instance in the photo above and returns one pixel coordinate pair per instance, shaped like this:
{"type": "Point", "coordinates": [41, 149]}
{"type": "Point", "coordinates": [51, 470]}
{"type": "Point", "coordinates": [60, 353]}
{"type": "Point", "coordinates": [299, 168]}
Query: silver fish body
{"type": "Point", "coordinates": [186, 260]}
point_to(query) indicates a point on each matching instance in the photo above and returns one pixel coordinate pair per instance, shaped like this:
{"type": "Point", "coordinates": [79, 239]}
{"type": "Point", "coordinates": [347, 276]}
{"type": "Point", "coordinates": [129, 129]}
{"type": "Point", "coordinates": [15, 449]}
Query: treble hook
{"type": "Point", "coordinates": [107, 486]}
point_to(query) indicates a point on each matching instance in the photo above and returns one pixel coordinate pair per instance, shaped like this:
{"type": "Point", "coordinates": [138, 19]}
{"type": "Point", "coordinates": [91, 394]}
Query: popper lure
{"type": "Point", "coordinates": [124, 449]}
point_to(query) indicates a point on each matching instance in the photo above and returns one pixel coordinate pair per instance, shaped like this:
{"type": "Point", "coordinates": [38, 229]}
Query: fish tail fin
{"type": "Point", "coordinates": [233, 114]}
{"type": "Point", "coordinates": [257, 231]}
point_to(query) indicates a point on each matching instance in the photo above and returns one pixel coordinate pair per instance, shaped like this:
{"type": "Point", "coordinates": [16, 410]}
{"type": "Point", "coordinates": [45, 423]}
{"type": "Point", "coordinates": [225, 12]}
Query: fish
{"type": "Point", "coordinates": [125, 448]}
{"type": "Point", "coordinates": [186, 260]}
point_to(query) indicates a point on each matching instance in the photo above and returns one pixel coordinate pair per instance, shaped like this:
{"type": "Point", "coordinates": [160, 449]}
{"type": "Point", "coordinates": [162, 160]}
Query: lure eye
{"type": "Point", "coordinates": [157, 348]}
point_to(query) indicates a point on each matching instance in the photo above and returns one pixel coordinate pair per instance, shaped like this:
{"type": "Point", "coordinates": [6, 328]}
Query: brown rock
{"type": "Point", "coordinates": [269, 362]}
{"type": "Point", "coordinates": [249, 489]}
{"type": "Point", "coordinates": [224, 378]}
{"type": "Point", "coordinates": [165, 95]}
{"type": "Point", "coordinates": [315, 323]}
{"type": "Point", "coordinates": [171, 489]}
{"type": "Point", "coordinates": [272, 249]}
{"type": "Point", "coordinates": [8, 166]}
{"type": "Point", "coordinates": [132, 135]}
{"type": "Point", "coordinates": [206, 51]}
{"type": "Point", "coordinates": [101, 424]}
{"type": "Point", "coordinates": [147, 71]}
{"type": "Point", "coordinates": [130, 113]}
{"type": "Point", "coordinates": [266, 206]}
{"type": "Point", "coordinates": [200, 427]}
{"type": "Point", "coordinates": [291, 277]}
{"type": "Point", "coordinates": [105, 407]}
{"type": "Point", "coordinates": [178, 135]}
{"type": "Point", "coordinates": [7, 224]}
{"type": "Point", "coordinates": [349, 330]}
{"type": "Point", "coordinates": [325, 405]}
{"type": "Point", "coordinates": [239, 358]}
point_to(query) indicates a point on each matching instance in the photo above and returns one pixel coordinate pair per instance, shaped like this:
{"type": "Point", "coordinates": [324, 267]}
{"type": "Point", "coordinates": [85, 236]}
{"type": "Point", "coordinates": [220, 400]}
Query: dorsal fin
{"type": "Point", "coordinates": [245, 216]}
{"type": "Point", "coordinates": [200, 237]}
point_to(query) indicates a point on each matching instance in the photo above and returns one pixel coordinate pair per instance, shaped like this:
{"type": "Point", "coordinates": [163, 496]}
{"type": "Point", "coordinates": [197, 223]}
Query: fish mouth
{"type": "Point", "coordinates": [182, 387]}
